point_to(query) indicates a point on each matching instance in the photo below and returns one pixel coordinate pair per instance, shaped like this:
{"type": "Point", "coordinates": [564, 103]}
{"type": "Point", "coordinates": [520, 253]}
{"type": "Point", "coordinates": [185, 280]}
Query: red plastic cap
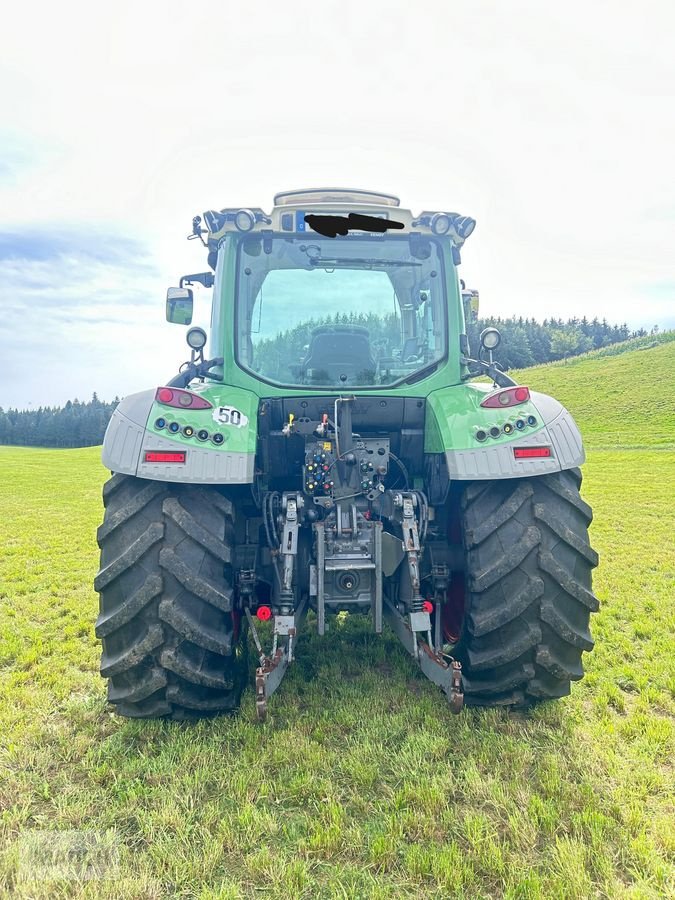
{"type": "Point", "coordinates": [264, 613]}
{"type": "Point", "coordinates": [165, 395]}
{"type": "Point", "coordinates": [428, 606]}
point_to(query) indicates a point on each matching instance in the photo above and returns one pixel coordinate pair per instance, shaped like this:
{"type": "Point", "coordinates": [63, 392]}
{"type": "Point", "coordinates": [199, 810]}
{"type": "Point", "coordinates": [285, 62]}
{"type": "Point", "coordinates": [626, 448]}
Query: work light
{"type": "Point", "coordinates": [464, 226]}
{"type": "Point", "coordinates": [244, 220]}
{"type": "Point", "coordinates": [490, 338]}
{"type": "Point", "coordinates": [196, 338]}
{"type": "Point", "coordinates": [440, 223]}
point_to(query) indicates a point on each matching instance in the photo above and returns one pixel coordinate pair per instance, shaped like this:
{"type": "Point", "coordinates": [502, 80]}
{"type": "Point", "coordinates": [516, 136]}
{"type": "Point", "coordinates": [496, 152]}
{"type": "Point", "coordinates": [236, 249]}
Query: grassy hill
{"type": "Point", "coordinates": [362, 785]}
{"type": "Point", "coordinates": [626, 399]}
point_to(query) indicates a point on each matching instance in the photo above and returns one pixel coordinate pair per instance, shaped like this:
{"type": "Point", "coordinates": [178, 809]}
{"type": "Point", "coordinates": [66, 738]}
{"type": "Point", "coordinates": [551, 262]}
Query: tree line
{"type": "Point", "coordinates": [74, 425]}
{"type": "Point", "coordinates": [525, 342]}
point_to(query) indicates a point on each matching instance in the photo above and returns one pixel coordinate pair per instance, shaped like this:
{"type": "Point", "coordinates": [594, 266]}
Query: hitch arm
{"type": "Point", "coordinates": [272, 668]}
{"type": "Point", "coordinates": [447, 674]}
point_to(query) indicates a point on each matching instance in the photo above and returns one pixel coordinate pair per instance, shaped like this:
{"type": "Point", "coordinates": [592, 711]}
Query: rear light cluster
{"type": "Point", "coordinates": [188, 431]}
{"type": "Point", "coordinates": [482, 434]}
{"type": "Point", "coordinates": [508, 397]}
{"type": "Point", "coordinates": [181, 399]}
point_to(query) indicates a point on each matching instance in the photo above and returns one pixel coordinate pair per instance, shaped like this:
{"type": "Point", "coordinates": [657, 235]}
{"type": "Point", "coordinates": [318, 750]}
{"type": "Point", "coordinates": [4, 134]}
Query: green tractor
{"type": "Point", "coordinates": [332, 456]}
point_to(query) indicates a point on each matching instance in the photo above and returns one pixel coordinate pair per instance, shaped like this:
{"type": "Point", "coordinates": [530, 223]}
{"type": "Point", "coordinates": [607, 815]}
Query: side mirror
{"type": "Point", "coordinates": [179, 302]}
{"type": "Point", "coordinates": [471, 303]}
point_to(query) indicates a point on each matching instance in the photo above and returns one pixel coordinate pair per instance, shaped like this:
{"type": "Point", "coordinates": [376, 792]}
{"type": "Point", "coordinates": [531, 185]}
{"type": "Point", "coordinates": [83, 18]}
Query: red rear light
{"type": "Point", "coordinates": [532, 452]}
{"type": "Point", "coordinates": [508, 397]}
{"type": "Point", "coordinates": [181, 399]}
{"type": "Point", "coordinates": [165, 456]}
{"type": "Point", "coordinates": [428, 606]}
{"type": "Point", "coordinates": [264, 613]}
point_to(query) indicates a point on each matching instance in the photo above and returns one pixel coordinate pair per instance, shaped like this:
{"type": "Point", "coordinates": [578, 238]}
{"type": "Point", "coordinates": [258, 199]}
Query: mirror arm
{"type": "Point", "coordinates": [492, 369]}
{"type": "Point", "coordinates": [499, 377]}
{"type": "Point", "coordinates": [193, 370]}
{"type": "Point", "coordinates": [210, 364]}
{"type": "Point", "coordinates": [204, 278]}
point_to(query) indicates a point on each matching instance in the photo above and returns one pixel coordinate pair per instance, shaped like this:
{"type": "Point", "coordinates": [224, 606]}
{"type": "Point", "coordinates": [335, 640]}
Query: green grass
{"type": "Point", "coordinates": [362, 785]}
{"type": "Point", "coordinates": [620, 400]}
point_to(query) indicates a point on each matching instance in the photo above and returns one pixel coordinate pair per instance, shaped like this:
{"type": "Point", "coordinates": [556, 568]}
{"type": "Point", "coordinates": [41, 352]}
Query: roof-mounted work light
{"type": "Point", "coordinates": [440, 223]}
{"type": "Point", "coordinates": [244, 220]}
{"type": "Point", "coordinates": [451, 223]}
{"type": "Point", "coordinates": [464, 226]}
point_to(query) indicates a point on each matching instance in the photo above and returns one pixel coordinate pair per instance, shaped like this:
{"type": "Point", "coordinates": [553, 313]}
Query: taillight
{"type": "Point", "coordinates": [165, 456]}
{"type": "Point", "coordinates": [181, 399]}
{"type": "Point", "coordinates": [532, 452]}
{"type": "Point", "coordinates": [508, 397]}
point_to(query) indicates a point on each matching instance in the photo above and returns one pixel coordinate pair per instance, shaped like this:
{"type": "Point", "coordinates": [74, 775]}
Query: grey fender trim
{"type": "Point", "coordinates": [497, 461]}
{"type": "Point", "coordinates": [563, 431]}
{"type": "Point", "coordinates": [124, 434]}
{"type": "Point", "coordinates": [136, 407]}
{"type": "Point", "coordinates": [126, 441]}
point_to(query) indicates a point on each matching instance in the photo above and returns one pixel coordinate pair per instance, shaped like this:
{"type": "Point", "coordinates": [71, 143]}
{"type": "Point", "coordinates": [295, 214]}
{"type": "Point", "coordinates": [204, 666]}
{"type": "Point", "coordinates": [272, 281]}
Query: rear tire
{"type": "Point", "coordinates": [529, 598]}
{"type": "Point", "coordinates": [172, 646]}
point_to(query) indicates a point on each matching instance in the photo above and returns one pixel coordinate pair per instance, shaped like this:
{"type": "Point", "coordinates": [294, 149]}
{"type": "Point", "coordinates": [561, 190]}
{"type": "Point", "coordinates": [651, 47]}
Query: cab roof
{"type": "Point", "coordinates": [308, 196]}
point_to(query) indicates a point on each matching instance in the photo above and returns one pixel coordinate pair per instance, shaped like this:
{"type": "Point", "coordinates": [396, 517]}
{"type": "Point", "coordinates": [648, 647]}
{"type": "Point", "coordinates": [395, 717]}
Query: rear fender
{"type": "Point", "coordinates": [459, 416]}
{"type": "Point", "coordinates": [132, 432]}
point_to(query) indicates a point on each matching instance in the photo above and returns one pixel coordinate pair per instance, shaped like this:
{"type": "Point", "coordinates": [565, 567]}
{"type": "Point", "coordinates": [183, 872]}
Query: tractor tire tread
{"type": "Point", "coordinates": [166, 593]}
{"type": "Point", "coordinates": [529, 592]}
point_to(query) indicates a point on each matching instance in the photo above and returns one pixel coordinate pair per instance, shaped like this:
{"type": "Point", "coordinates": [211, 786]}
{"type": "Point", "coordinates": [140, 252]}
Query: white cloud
{"type": "Point", "coordinates": [551, 125]}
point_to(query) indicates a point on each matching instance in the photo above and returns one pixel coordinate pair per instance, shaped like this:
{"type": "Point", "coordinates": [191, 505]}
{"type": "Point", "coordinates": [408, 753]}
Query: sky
{"type": "Point", "coordinates": [553, 125]}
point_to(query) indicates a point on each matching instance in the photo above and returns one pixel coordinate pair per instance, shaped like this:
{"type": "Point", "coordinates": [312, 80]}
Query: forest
{"type": "Point", "coordinates": [525, 342]}
{"type": "Point", "coordinates": [74, 425]}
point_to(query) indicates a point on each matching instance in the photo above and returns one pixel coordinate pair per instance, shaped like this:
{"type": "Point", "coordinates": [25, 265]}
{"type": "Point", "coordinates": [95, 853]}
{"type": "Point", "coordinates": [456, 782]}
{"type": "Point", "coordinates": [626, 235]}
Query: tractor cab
{"type": "Point", "coordinates": [334, 289]}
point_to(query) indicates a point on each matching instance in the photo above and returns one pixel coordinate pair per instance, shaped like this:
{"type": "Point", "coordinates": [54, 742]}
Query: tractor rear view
{"type": "Point", "coordinates": [334, 456]}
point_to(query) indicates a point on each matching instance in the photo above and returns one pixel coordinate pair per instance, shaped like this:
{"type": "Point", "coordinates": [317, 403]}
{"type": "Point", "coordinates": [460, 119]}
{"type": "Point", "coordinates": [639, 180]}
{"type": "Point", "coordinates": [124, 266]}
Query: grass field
{"type": "Point", "coordinates": [362, 785]}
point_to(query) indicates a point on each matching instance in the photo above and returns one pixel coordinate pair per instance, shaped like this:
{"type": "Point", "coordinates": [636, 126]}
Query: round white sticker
{"type": "Point", "coordinates": [229, 415]}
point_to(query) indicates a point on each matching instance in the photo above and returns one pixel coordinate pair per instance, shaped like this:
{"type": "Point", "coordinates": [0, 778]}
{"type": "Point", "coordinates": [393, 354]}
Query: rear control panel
{"type": "Point", "coordinates": [368, 459]}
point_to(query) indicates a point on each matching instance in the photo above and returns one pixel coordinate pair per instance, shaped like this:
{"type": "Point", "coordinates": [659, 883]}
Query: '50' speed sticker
{"type": "Point", "coordinates": [229, 415]}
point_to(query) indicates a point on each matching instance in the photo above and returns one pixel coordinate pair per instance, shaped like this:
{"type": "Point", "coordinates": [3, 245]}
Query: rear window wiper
{"type": "Point", "coordinates": [325, 262]}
